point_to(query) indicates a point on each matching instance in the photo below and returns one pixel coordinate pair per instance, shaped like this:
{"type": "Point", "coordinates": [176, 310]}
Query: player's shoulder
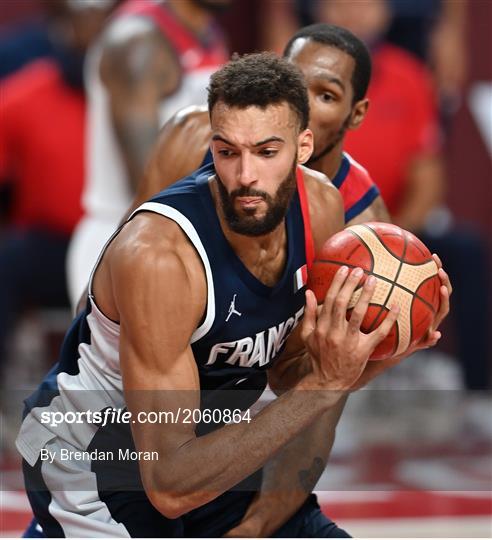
{"type": "Point", "coordinates": [148, 239]}
{"type": "Point", "coordinates": [355, 169]}
{"type": "Point", "coordinates": [319, 187]}
{"type": "Point", "coordinates": [326, 212]}
{"type": "Point", "coordinates": [127, 29]}
{"type": "Point", "coordinates": [189, 119]}
{"type": "Point", "coordinates": [134, 49]}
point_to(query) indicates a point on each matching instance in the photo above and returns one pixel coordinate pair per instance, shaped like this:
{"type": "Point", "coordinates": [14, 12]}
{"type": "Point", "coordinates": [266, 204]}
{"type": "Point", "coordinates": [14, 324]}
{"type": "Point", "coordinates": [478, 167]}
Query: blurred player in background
{"type": "Point", "coordinates": [42, 111]}
{"type": "Point", "coordinates": [154, 58]}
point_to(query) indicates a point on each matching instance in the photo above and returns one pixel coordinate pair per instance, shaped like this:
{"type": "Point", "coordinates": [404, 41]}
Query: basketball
{"type": "Point", "coordinates": [406, 275]}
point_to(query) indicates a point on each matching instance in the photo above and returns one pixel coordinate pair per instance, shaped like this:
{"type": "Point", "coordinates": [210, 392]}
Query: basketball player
{"type": "Point", "coordinates": [155, 57]}
{"type": "Point", "coordinates": [337, 68]}
{"type": "Point", "coordinates": [159, 335]}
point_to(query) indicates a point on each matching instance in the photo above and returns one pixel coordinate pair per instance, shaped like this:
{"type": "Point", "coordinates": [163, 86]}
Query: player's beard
{"type": "Point", "coordinates": [277, 206]}
{"type": "Point", "coordinates": [339, 135]}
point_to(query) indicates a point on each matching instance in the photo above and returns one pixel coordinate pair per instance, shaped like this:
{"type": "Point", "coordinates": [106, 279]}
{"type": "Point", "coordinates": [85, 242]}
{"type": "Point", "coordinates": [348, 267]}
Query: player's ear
{"type": "Point", "coordinates": [304, 145]}
{"type": "Point", "coordinates": [359, 111]}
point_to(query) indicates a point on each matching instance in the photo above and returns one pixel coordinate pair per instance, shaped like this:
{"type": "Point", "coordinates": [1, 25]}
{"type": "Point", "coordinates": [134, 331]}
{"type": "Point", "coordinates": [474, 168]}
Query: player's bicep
{"type": "Point", "coordinates": [159, 308]}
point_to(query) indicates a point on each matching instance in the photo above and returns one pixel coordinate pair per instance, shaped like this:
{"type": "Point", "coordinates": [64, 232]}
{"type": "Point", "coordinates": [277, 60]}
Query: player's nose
{"type": "Point", "coordinates": [247, 174]}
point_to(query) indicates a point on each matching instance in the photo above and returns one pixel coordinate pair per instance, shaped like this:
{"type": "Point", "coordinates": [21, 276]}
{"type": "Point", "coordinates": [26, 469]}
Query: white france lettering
{"type": "Point", "coordinates": [258, 354]}
{"type": "Point", "coordinates": [219, 348]}
{"type": "Point", "coordinates": [260, 350]}
{"type": "Point", "coordinates": [243, 349]}
{"type": "Point", "coordinates": [274, 337]}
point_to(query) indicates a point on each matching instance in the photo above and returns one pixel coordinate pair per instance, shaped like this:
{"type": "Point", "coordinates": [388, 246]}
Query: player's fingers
{"type": "Point", "coordinates": [331, 296]}
{"type": "Point", "coordinates": [309, 319]}
{"type": "Point", "coordinates": [443, 308]}
{"type": "Point", "coordinates": [340, 305]}
{"type": "Point", "coordinates": [360, 308]}
{"type": "Point", "coordinates": [377, 335]}
{"type": "Point", "coordinates": [431, 339]}
{"type": "Point", "coordinates": [443, 276]}
{"type": "Point", "coordinates": [437, 260]}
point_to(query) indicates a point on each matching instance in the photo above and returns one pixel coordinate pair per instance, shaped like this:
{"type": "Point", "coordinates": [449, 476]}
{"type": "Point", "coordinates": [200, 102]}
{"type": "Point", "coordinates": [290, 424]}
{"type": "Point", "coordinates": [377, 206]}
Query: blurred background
{"type": "Point", "coordinates": [413, 455]}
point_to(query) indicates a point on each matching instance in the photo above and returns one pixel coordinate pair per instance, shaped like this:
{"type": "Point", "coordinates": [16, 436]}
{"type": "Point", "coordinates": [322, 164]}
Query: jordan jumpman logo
{"type": "Point", "coordinates": [232, 309]}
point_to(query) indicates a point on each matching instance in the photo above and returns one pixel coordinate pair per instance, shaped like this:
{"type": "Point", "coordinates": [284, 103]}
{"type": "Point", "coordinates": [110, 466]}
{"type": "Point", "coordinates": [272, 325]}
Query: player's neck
{"type": "Point", "coordinates": [191, 14]}
{"type": "Point", "coordinates": [329, 163]}
{"type": "Point", "coordinates": [264, 256]}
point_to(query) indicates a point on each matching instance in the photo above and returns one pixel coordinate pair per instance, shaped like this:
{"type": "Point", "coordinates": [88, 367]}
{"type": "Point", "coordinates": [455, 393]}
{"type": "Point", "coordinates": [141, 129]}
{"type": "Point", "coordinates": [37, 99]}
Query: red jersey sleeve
{"type": "Point", "coordinates": [356, 187]}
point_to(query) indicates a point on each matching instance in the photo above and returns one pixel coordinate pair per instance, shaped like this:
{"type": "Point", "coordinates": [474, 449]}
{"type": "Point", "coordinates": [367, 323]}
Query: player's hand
{"type": "Point", "coordinates": [338, 348]}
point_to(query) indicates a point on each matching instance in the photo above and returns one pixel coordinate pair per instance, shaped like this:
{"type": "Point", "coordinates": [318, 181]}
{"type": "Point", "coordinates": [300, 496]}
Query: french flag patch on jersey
{"type": "Point", "coordinates": [300, 278]}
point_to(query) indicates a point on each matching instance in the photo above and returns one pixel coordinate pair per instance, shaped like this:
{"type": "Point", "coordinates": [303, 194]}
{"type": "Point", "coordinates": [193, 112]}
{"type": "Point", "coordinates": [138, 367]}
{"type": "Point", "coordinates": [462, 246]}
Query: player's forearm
{"type": "Point", "coordinates": [291, 476]}
{"type": "Point", "coordinates": [203, 468]}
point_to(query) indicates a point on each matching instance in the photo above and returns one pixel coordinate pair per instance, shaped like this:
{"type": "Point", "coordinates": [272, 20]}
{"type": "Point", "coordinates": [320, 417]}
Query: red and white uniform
{"type": "Point", "coordinates": [356, 187]}
{"type": "Point", "coordinates": [107, 193]}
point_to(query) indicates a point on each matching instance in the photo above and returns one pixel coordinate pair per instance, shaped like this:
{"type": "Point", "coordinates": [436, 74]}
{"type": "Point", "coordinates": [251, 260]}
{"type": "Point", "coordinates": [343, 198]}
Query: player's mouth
{"type": "Point", "coordinates": [247, 203]}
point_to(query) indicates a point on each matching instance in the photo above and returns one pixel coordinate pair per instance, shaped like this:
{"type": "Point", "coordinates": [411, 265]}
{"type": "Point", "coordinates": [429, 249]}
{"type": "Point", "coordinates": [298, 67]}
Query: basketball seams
{"type": "Point", "coordinates": [399, 281]}
{"type": "Point", "coordinates": [378, 276]}
{"type": "Point", "coordinates": [364, 226]}
{"type": "Point", "coordinates": [423, 300]}
{"type": "Point", "coordinates": [369, 251]}
{"type": "Point", "coordinates": [395, 279]}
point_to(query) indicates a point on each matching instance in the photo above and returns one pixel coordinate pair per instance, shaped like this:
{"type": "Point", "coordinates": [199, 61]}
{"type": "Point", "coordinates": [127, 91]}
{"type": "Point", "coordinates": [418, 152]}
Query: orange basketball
{"type": "Point", "coordinates": [406, 275]}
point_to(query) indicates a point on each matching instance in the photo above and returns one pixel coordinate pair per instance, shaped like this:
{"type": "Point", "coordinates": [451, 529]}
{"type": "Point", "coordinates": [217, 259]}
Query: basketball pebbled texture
{"type": "Point", "coordinates": [406, 275]}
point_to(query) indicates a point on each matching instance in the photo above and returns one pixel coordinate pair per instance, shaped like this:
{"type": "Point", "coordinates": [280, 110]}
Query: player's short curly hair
{"type": "Point", "coordinates": [260, 79]}
{"type": "Point", "coordinates": [343, 40]}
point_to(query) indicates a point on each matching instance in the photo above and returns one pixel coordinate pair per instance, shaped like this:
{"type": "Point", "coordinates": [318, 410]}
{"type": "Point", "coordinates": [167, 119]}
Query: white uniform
{"type": "Point", "coordinates": [107, 192]}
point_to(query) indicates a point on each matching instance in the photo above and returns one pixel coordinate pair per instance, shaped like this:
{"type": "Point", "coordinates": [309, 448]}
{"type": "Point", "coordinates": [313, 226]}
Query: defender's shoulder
{"type": "Point", "coordinates": [319, 186]}
{"type": "Point", "coordinates": [325, 206]}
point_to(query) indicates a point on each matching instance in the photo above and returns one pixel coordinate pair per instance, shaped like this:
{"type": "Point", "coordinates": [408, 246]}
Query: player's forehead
{"type": "Point", "coordinates": [252, 124]}
{"type": "Point", "coordinates": [320, 61]}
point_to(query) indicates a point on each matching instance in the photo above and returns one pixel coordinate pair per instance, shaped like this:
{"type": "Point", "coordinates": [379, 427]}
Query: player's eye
{"type": "Point", "coordinates": [225, 152]}
{"type": "Point", "coordinates": [326, 97]}
{"type": "Point", "coordinates": [268, 152]}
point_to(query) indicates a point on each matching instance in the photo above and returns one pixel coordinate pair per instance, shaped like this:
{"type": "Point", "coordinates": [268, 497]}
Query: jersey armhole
{"type": "Point", "coordinates": [190, 231]}
{"type": "Point", "coordinates": [308, 235]}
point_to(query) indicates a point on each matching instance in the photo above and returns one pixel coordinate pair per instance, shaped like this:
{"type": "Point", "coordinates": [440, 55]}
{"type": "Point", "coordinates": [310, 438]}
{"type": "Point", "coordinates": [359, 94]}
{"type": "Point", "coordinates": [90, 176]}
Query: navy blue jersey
{"type": "Point", "coordinates": [242, 333]}
{"type": "Point", "coordinates": [246, 323]}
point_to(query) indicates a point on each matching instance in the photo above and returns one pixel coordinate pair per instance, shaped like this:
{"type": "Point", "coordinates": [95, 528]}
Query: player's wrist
{"type": "Point", "coordinates": [325, 394]}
